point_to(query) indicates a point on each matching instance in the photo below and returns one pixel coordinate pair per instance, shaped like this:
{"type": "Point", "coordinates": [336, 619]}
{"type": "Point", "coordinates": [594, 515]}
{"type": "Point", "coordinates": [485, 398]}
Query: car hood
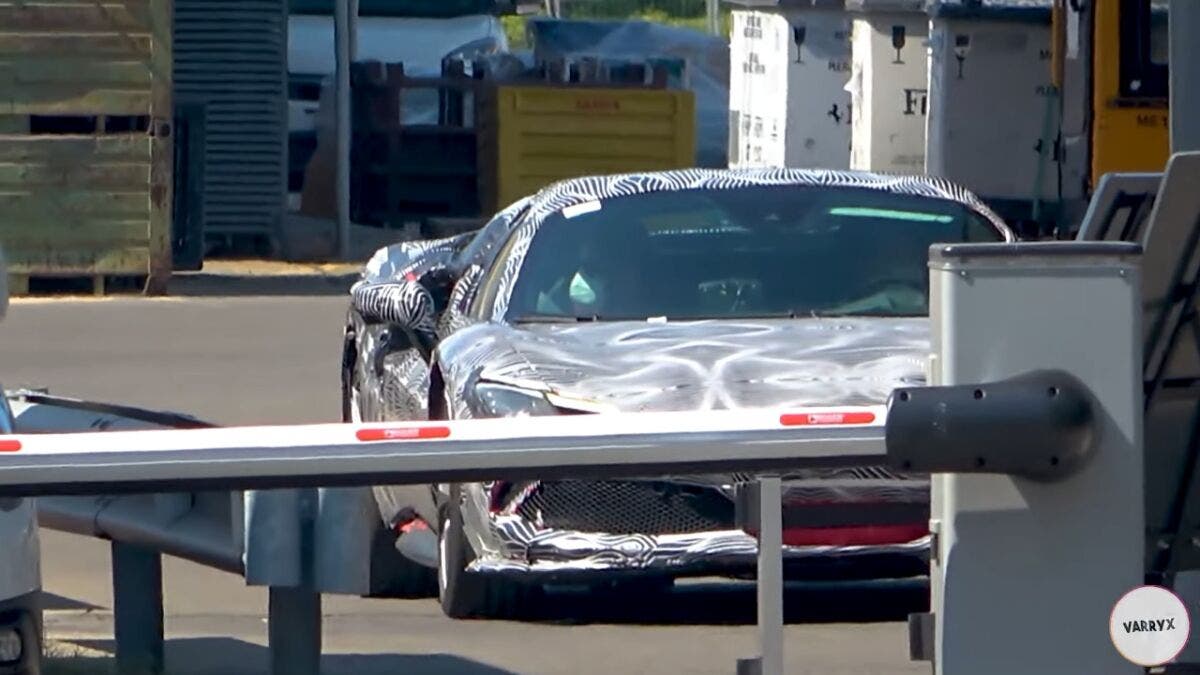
{"type": "Point", "coordinates": [709, 365]}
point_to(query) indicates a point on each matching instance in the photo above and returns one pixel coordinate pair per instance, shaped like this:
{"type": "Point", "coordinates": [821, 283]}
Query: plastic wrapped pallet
{"type": "Point", "coordinates": [993, 116]}
{"type": "Point", "coordinates": [706, 57]}
{"type": "Point", "coordinates": [788, 104]}
{"type": "Point", "coordinates": [889, 85]}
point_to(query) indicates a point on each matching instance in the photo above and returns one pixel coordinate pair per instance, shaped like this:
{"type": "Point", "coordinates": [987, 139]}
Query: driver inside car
{"type": "Point", "coordinates": [583, 290]}
{"type": "Point", "coordinates": [892, 276]}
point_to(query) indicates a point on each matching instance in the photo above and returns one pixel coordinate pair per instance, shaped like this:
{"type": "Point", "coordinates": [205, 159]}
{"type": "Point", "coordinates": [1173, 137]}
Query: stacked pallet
{"type": "Point", "coordinates": [85, 153]}
{"type": "Point", "coordinates": [503, 131]}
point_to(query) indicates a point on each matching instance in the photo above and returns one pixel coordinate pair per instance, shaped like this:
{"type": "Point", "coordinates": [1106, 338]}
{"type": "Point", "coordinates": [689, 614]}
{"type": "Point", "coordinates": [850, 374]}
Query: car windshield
{"type": "Point", "coordinates": [759, 251]}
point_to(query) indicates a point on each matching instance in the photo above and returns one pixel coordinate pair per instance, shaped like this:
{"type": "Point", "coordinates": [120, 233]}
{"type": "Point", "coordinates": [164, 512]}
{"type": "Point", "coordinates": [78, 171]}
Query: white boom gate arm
{"type": "Point", "coordinates": [340, 454]}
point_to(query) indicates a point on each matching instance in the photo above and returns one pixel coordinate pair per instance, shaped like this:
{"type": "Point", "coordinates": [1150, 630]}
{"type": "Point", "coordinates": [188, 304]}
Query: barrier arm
{"type": "Point", "coordinates": [767, 443]}
{"type": "Point", "coordinates": [342, 454]}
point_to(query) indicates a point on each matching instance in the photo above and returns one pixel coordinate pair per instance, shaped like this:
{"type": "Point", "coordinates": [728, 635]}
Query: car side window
{"type": "Point", "coordinates": [493, 271]}
{"type": "Point", "coordinates": [483, 247]}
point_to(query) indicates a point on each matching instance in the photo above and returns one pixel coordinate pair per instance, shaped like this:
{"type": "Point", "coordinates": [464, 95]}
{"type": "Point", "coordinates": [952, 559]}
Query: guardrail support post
{"type": "Point", "coordinates": [293, 599]}
{"type": "Point", "coordinates": [137, 609]}
{"type": "Point", "coordinates": [294, 630]}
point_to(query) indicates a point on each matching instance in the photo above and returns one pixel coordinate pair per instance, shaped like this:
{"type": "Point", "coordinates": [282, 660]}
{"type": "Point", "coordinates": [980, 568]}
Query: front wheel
{"type": "Point", "coordinates": [464, 594]}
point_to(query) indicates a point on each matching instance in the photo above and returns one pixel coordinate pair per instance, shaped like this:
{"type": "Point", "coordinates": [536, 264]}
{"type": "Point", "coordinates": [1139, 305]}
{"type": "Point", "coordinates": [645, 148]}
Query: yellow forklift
{"type": "Point", "coordinates": [1110, 63]}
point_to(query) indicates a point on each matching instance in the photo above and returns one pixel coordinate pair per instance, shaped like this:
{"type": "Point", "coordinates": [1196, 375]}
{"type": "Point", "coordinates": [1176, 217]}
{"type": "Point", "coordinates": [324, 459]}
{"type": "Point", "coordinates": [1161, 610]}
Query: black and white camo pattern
{"type": "Point", "coordinates": [400, 260]}
{"type": "Point", "coordinates": [404, 303]}
{"type": "Point", "coordinates": [527, 549]}
{"type": "Point", "coordinates": [564, 194]}
{"type": "Point", "coordinates": [704, 365]}
{"type": "Point", "coordinates": [637, 366]}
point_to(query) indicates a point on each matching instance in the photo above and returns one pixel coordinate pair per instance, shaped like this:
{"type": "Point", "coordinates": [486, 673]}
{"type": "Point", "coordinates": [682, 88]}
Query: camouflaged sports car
{"type": "Point", "coordinates": [678, 290]}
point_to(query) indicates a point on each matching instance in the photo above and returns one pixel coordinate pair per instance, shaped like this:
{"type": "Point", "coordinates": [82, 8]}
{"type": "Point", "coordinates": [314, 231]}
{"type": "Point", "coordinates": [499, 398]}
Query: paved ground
{"type": "Point", "coordinates": [274, 360]}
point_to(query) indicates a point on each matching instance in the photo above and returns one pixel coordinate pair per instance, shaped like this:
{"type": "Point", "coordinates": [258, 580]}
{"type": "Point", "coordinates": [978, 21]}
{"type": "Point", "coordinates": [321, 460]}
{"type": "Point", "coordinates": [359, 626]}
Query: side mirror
{"type": "Point", "coordinates": [405, 304]}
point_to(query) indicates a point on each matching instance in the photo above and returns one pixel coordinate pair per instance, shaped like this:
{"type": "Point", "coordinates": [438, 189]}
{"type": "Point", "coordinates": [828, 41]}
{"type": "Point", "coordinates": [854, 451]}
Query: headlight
{"type": "Point", "coordinates": [505, 401]}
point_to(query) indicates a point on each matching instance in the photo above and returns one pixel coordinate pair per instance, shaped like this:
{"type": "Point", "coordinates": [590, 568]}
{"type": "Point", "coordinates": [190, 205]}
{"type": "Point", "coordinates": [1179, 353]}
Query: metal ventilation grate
{"type": "Point", "coordinates": [231, 57]}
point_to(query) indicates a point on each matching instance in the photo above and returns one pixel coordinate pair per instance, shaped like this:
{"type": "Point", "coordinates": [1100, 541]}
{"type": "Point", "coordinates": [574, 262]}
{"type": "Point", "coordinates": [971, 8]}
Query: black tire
{"type": "Point", "coordinates": [638, 587]}
{"type": "Point", "coordinates": [466, 595]}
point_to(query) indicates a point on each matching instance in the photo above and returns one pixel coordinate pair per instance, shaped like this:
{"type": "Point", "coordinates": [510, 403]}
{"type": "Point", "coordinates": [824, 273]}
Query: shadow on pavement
{"type": "Point", "coordinates": [200, 284]}
{"type": "Point", "coordinates": [218, 656]}
{"type": "Point", "coordinates": [723, 603]}
{"type": "Point", "coordinates": [52, 602]}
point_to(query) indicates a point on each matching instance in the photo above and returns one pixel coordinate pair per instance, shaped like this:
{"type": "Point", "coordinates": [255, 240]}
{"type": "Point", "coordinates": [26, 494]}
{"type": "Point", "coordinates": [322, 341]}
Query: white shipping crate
{"type": "Point", "coordinates": [889, 85]}
{"type": "Point", "coordinates": [993, 118]}
{"type": "Point", "coordinates": [788, 73]}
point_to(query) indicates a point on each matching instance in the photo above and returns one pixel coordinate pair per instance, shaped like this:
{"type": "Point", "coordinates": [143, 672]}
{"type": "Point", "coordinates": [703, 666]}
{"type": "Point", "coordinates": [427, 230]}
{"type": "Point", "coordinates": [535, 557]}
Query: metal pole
{"type": "Point", "coordinates": [713, 8]}
{"type": "Point", "coordinates": [354, 30]}
{"type": "Point", "coordinates": [760, 509]}
{"type": "Point", "coordinates": [342, 33]}
{"type": "Point", "coordinates": [137, 609]}
{"type": "Point", "coordinates": [1184, 20]}
{"type": "Point", "coordinates": [770, 575]}
{"type": "Point", "coordinates": [294, 610]}
{"type": "Point", "coordinates": [294, 630]}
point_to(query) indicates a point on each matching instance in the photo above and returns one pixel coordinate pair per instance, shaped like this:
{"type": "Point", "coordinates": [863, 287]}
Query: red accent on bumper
{"type": "Point", "coordinates": [867, 535]}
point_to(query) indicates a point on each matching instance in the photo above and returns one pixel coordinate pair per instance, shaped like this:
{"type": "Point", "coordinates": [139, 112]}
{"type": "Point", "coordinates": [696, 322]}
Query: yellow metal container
{"type": "Point", "coordinates": [535, 135]}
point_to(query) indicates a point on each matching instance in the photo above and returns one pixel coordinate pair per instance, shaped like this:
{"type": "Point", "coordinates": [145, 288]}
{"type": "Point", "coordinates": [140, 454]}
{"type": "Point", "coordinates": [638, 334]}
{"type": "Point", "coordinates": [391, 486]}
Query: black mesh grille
{"type": "Point", "coordinates": [628, 507]}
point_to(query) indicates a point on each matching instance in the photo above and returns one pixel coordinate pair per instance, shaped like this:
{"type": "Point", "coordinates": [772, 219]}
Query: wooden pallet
{"type": "Point", "coordinates": [62, 284]}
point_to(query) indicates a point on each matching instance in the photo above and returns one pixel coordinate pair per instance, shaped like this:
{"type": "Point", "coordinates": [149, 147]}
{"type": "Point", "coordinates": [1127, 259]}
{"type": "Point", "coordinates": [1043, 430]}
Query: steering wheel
{"type": "Point", "coordinates": [738, 292]}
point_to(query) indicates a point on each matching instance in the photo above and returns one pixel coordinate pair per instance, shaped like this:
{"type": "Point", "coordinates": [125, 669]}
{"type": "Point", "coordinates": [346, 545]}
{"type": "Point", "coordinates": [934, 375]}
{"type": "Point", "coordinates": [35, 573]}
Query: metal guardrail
{"type": "Point", "coordinates": [768, 442]}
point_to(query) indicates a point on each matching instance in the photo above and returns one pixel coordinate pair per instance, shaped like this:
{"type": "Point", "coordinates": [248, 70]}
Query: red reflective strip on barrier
{"type": "Point", "coordinates": [402, 433]}
{"type": "Point", "coordinates": [804, 419]}
{"type": "Point", "coordinates": [9, 445]}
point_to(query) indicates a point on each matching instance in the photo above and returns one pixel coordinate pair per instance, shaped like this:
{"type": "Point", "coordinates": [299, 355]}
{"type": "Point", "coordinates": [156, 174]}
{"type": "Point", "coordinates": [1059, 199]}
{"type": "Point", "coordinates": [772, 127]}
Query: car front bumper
{"type": "Point", "coordinates": [550, 554]}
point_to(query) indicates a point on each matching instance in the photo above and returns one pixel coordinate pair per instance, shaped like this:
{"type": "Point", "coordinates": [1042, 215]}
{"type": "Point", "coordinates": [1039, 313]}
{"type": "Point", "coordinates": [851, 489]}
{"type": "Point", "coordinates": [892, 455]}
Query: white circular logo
{"type": "Point", "coordinates": [1149, 626]}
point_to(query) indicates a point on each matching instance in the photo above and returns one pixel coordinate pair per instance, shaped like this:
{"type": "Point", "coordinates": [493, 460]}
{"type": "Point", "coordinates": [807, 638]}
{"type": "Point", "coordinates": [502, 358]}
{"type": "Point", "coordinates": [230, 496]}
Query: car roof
{"type": "Point", "coordinates": [573, 191]}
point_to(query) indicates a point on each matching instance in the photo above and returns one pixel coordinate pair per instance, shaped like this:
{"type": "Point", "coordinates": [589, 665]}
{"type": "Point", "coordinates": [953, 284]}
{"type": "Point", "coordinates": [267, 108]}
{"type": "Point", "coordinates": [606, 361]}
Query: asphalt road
{"type": "Point", "coordinates": [242, 360]}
